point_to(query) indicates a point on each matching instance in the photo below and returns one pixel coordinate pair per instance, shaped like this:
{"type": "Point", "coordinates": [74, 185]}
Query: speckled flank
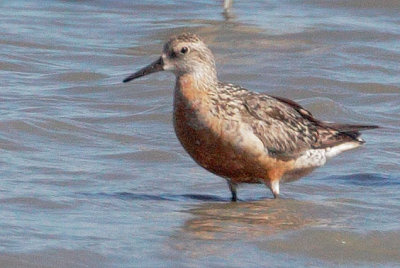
{"type": "Point", "coordinates": [241, 135]}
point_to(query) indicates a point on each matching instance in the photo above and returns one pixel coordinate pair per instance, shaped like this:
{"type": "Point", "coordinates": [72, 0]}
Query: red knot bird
{"type": "Point", "coordinates": [240, 135]}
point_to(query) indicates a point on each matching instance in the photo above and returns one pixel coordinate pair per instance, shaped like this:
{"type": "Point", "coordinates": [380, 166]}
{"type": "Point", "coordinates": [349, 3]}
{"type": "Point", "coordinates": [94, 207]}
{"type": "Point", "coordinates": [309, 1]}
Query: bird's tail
{"type": "Point", "coordinates": [351, 130]}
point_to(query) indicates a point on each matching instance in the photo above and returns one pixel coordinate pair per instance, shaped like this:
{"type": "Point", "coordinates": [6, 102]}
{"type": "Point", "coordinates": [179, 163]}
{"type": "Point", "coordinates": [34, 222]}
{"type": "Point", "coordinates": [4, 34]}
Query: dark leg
{"type": "Point", "coordinates": [232, 187]}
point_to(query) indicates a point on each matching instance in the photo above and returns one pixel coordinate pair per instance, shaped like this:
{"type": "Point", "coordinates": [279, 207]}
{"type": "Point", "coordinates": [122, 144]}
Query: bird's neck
{"type": "Point", "coordinates": [193, 88]}
{"type": "Point", "coordinates": [198, 81]}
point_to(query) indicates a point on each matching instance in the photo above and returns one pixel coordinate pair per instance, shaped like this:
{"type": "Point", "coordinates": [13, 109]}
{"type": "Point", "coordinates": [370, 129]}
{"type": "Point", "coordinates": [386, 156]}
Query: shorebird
{"type": "Point", "coordinates": [240, 135]}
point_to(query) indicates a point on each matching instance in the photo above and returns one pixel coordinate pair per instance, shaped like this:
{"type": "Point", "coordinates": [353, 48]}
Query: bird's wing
{"type": "Point", "coordinates": [287, 129]}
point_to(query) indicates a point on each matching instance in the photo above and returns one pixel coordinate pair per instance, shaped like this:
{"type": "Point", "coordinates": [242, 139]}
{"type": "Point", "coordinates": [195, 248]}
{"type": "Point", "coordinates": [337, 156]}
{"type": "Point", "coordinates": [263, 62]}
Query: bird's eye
{"type": "Point", "coordinates": [184, 50]}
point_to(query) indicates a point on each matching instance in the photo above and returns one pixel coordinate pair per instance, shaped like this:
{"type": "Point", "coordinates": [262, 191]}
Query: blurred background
{"type": "Point", "coordinates": [92, 174]}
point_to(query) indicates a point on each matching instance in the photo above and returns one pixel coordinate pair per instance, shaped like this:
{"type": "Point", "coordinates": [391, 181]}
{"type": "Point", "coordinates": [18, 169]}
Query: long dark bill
{"type": "Point", "coordinates": [156, 66]}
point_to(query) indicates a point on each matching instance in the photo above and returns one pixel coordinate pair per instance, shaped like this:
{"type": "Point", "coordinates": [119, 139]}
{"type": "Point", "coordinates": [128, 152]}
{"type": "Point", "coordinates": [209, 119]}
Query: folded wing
{"type": "Point", "coordinates": [287, 130]}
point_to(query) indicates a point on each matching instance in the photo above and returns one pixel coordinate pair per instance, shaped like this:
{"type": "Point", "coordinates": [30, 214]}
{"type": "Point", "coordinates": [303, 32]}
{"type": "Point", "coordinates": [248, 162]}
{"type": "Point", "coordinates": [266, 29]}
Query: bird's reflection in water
{"type": "Point", "coordinates": [230, 220]}
{"type": "Point", "coordinates": [215, 227]}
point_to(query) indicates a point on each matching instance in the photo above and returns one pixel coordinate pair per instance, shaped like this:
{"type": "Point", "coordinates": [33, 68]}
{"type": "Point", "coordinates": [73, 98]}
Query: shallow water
{"type": "Point", "coordinates": [92, 174]}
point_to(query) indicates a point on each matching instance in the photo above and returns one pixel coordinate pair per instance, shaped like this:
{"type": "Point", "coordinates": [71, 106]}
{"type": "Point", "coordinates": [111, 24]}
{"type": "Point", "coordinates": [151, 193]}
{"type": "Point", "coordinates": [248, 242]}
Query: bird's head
{"type": "Point", "coordinates": [183, 54]}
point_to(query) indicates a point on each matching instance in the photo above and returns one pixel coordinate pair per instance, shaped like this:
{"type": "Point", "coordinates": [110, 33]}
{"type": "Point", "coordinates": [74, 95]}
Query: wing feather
{"type": "Point", "coordinates": [287, 130]}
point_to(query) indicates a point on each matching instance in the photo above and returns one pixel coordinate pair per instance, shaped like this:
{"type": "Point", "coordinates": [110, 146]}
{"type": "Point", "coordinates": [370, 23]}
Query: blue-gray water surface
{"type": "Point", "coordinates": [92, 175]}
